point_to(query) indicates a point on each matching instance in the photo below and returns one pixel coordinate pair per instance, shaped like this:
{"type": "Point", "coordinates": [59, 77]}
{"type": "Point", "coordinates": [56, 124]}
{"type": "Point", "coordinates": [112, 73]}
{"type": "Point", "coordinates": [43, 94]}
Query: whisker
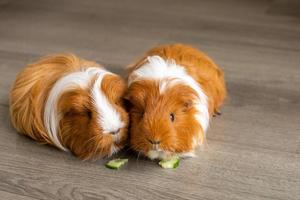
{"type": "Point", "coordinates": [138, 156]}
{"type": "Point", "coordinates": [96, 149]}
{"type": "Point", "coordinates": [90, 140]}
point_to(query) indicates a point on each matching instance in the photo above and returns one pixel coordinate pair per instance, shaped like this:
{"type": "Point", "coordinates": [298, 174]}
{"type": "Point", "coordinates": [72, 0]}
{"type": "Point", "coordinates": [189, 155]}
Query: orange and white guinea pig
{"type": "Point", "coordinates": [70, 103]}
{"type": "Point", "coordinates": [174, 90]}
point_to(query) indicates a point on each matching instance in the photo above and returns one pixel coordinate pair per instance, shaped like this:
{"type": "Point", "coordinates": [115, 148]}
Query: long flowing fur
{"type": "Point", "coordinates": [70, 103]}
{"type": "Point", "coordinates": [165, 80]}
{"type": "Point", "coordinates": [31, 88]}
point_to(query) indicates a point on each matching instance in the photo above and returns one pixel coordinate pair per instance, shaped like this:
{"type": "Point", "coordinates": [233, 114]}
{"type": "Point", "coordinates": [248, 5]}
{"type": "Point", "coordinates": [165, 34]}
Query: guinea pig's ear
{"type": "Point", "coordinates": [75, 103]}
{"type": "Point", "coordinates": [126, 96]}
{"type": "Point", "coordinates": [126, 100]}
{"type": "Point", "coordinates": [188, 104]}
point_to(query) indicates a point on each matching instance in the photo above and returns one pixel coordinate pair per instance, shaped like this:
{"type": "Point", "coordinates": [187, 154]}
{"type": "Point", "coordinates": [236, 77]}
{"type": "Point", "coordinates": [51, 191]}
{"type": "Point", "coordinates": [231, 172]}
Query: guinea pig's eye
{"type": "Point", "coordinates": [71, 113]}
{"type": "Point", "coordinates": [172, 117]}
{"type": "Point", "coordinates": [89, 114]}
{"type": "Point", "coordinates": [138, 112]}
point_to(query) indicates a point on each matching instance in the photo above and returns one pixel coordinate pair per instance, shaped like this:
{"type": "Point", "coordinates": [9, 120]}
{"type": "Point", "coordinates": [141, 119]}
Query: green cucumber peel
{"type": "Point", "coordinates": [170, 163]}
{"type": "Point", "coordinates": [116, 163]}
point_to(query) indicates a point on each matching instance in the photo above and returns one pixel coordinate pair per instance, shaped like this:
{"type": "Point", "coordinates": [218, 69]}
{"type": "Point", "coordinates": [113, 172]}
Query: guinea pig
{"type": "Point", "coordinates": [71, 103]}
{"type": "Point", "coordinates": [174, 90]}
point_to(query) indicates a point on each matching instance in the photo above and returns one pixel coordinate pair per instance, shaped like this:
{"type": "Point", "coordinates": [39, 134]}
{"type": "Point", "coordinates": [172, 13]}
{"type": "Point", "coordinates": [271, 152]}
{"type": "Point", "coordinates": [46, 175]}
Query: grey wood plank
{"type": "Point", "coordinates": [253, 149]}
{"type": "Point", "coordinates": [108, 27]}
{"type": "Point", "coordinates": [12, 196]}
{"type": "Point", "coordinates": [217, 174]}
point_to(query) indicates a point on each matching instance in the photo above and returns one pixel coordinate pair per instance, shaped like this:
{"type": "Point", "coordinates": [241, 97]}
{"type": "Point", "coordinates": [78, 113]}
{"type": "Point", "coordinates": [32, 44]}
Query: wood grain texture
{"type": "Point", "coordinates": [253, 148]}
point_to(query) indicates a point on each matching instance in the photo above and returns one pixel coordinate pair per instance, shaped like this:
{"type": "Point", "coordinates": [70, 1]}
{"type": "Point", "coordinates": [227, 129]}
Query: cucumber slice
{"type": "Point", "coordinates": [116, 163]}
{"type": "Point", "coordinates": [170, 164]}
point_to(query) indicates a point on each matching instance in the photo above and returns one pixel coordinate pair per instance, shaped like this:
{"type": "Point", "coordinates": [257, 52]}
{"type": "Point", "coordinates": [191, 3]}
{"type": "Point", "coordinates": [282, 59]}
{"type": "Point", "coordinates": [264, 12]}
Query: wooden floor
{"type": "Point", "coordinates": [254, 147]}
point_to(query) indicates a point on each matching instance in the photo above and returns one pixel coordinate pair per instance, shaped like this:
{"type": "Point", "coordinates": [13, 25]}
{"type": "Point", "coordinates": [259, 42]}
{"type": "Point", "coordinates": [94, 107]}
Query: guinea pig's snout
{"type": "Point", "coordinates": [154, 141]}
{"type": "Point", "coordinates": [155, 144]}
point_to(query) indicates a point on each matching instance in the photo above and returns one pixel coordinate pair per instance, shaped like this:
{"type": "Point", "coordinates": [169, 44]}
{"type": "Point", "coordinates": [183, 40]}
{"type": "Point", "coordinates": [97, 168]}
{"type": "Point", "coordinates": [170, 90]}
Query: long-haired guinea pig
{"type": "Point", "coordinates": [70, 103]}
{"type": "Point", "coordinates": [173, 90]}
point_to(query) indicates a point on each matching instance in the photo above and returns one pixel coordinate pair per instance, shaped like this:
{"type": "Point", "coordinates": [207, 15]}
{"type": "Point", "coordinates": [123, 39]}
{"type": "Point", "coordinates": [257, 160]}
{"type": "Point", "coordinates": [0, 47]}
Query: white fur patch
{"type": "Point", "coordinates": [169, 74]}
{"type": "Point", "coordinates": [74, 80]}
{"type": "Point", "coordinates": [153, 154]}
{"type": "Point", "coordinates": [195, 142]}
{"type": "Point", "coordinates": [108, 116]}
{"type": "Point", "coordinates": [190, 154]}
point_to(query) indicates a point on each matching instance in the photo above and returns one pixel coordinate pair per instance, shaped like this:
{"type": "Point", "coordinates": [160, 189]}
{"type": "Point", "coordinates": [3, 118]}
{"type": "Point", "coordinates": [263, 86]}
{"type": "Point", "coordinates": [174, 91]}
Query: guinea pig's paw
{"type": "Point", "coordinates": [217, 113]}
{"type": "Point", "coordinates": [166, 155]}
{"type": "Point", "coordinates": [190, 154]}
{"type": "Point", "coordinates": [153, 154]}
{"type": "Point", "coordinates": [161, 155]}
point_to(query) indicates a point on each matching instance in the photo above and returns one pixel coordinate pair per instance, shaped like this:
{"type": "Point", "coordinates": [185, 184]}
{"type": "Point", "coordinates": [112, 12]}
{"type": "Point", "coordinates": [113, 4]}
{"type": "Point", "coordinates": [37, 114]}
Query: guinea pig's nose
{"type": "Point", "coordinates": [115, 132]}
{"type": "Point", "coordinates": [154, 141]}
